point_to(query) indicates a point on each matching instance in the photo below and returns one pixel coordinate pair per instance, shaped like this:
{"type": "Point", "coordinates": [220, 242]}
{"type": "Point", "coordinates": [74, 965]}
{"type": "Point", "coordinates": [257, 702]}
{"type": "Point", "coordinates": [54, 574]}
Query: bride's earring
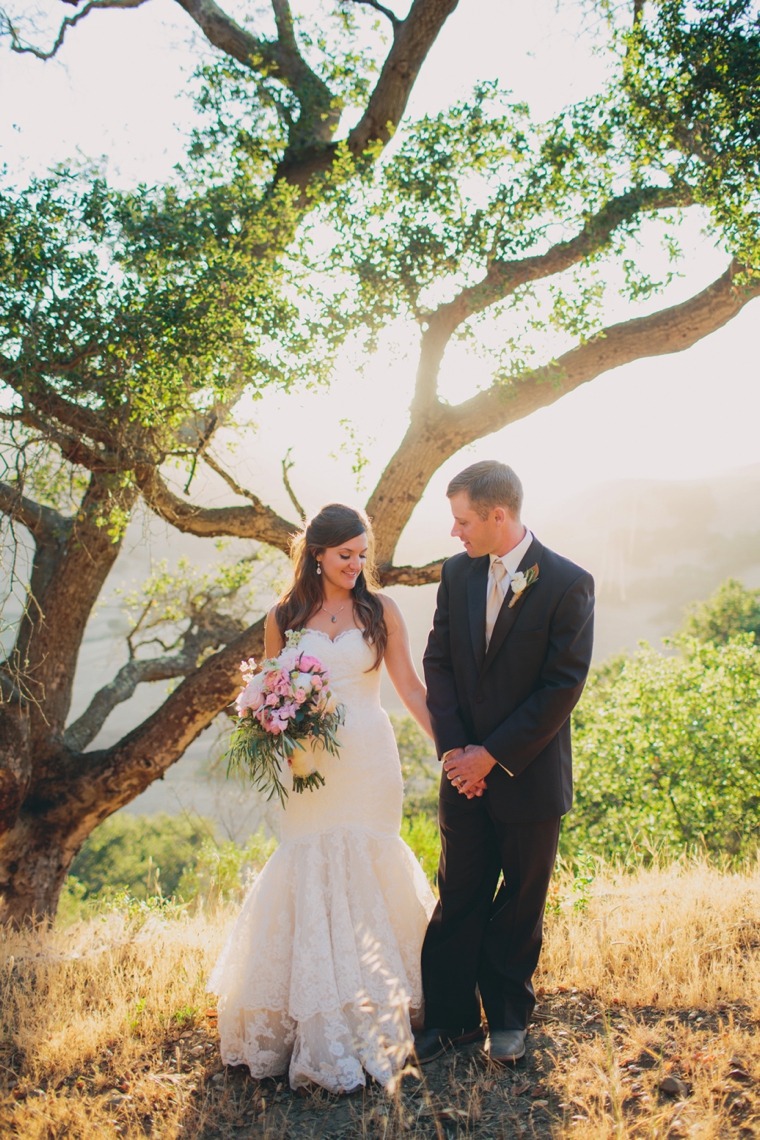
{"type": "Point", "coordinates": [319, 569]}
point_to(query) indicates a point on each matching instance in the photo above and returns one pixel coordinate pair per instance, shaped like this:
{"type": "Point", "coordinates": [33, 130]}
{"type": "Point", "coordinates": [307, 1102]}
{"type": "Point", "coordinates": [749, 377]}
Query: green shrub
{"type": "Point", "coordinates": [222, 871]}
{"type": "Point", "coordinates": [421, 834]}
{"type": "Point", "coordinates": [731, 610]}
{"type": "Point", "coordinates": [142, 854]}
{"type": "Point", "coordinates": [419, 767]}
{"type": "Point", "coordinates": [142, 864]}
{"type": "Point", "coordinates": [667, 753]}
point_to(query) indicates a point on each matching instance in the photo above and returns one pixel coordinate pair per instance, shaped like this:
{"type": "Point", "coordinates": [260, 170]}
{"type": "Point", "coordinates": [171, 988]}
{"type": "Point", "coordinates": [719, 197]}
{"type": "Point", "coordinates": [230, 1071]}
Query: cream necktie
{"type": "Point", "coordinates": [495, 597]}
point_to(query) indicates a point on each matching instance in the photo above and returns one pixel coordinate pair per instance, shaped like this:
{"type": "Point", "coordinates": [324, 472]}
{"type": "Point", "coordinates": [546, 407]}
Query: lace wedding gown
{"type": "Point", "coordinates": [322, 966]}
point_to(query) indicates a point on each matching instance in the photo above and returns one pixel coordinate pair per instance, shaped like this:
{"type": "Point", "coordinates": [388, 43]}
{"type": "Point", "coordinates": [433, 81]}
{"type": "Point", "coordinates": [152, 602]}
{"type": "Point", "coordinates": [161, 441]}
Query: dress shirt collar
{"type": "Point", "coordinates": [512, 559]}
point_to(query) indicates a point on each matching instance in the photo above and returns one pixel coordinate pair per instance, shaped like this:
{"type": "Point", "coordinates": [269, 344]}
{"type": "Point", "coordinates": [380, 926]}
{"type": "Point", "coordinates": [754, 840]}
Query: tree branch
{"type": "Point", "coordinates": [44, 398]}
{"type": "Point", "coordinates": [411, 575]}
{"type": "Point", "coordinates": [412, 41]}
{"type": "Point", "coordinates": [256, 521]}
{"type": "Point", "coordinates": [100, 782]}
{"type": "Point", "coordinates": [84, 730]}
{"type": "Point", "coordinates": [42, 522]}
{"type": "Point", "coordinates": [667, 331]}
{"type": "Point", "coordinates": [504, 277]}
{"type": "Point", "coordinates": [287, 463]}
{"type": "Point", "coordinates": [280, 59]}
{"type": "Point", "coordinates": [311, 150]}
{"type": "Point", "coordinates": [433, 438]}
{"type": "Point", "coordinates": [68, 22]}
{"type": "Point", "coordinates": [396, 23]}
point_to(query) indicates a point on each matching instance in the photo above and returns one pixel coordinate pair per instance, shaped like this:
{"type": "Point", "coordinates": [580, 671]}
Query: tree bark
{"type": "Point", "coordinates": [68, 574]}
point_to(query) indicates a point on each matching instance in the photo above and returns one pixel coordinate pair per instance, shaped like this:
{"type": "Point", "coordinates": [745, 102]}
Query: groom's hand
{"type": "Point", "coordinates": [467, 770]}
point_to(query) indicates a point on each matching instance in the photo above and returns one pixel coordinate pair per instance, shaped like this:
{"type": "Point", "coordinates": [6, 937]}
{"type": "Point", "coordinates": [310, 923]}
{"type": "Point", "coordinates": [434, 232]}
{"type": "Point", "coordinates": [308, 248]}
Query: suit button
{"type": "Point", "coordinates": [479, 700]}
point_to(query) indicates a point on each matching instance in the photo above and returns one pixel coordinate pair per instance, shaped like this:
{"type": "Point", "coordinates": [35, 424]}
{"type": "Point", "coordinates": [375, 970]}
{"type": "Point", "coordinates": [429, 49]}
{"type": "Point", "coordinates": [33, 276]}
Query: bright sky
{"type": "Point", "coordinates": [116, 89]}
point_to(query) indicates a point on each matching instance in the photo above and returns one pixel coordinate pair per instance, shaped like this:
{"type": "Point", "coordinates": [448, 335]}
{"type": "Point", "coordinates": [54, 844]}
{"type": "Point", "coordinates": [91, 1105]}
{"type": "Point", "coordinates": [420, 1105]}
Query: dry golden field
{"type": "Point", "coordinates": [647, 1026]}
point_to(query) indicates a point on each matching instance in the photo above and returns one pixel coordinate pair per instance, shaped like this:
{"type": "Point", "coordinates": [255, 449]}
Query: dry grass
{"type": "Point", "coordinates": [105, 1031]}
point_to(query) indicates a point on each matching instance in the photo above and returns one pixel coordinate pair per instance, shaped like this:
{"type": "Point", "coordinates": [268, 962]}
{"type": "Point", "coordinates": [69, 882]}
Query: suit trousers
{"type": "Point", "coordinates": [481, 939]}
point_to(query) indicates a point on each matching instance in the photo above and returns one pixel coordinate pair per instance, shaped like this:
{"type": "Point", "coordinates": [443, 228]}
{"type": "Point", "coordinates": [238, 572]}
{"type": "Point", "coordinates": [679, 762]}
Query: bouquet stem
{"type": "Point", "coordinates": [312, 782]}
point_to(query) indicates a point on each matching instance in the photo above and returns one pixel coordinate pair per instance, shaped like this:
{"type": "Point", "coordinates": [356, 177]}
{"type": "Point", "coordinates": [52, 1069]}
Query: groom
{"type": "Point", "coordinates": [505, 664]}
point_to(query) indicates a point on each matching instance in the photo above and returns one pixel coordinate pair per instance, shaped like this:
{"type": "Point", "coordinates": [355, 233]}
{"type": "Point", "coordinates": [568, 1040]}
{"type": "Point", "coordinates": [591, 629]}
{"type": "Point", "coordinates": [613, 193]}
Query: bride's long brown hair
{"type": "Point", "coordinates": [333, 526]}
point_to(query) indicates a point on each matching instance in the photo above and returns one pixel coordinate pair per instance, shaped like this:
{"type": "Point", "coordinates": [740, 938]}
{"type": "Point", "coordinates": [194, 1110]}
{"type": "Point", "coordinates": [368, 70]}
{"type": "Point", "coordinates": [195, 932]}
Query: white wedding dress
{"type": "Point", "coordinates": [322, 967]}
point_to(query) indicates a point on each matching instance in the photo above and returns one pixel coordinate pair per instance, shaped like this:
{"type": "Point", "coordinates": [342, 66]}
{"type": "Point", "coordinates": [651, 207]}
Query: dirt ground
{"type": "Point", "coordinates": [588, 1072]}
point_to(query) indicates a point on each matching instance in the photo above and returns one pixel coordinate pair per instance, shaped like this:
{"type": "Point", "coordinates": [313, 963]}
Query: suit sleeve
{"type": "Point", "coordinates": [534, 723]}
{"type": "Point", "coordinates": [442, 699]}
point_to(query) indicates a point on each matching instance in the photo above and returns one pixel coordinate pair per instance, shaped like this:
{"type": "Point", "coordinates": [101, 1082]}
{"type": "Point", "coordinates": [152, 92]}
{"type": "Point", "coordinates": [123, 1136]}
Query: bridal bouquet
{"type": "Point", "coordinates": [286, 702]}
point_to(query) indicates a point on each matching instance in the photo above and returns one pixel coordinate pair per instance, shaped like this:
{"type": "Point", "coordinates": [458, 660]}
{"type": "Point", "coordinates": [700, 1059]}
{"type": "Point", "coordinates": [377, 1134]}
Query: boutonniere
{"type": "Point", "coordinates": [522, 582]}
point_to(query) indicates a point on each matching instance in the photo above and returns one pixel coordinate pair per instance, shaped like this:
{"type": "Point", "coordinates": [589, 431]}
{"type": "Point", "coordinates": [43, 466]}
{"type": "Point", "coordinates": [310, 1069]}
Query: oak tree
{"type": "Point", "coordinates": [131, 324]}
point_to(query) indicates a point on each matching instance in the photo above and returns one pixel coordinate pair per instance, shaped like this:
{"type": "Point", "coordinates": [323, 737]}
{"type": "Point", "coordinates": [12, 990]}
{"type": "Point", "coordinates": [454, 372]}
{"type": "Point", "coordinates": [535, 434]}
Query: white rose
{"type": "Point", "coordinates": [302, 762]}
{"type": "Point", "coordinates": [518, 583]}
{"type": "Point", "coordinates": [287, 659]}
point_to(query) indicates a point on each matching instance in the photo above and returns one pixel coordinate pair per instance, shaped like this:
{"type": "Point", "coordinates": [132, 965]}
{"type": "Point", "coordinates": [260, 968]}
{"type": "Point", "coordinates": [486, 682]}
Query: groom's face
{"type": "Point", "coordinates": [478, 535]}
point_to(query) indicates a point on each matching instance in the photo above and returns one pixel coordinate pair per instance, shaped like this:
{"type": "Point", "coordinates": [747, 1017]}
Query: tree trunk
{"type": "Point", "coordinates": [34, 861]}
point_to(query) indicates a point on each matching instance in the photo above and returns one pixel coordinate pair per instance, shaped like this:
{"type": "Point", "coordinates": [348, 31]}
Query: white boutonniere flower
{"type": "Point", "coordinates": [522, 582]}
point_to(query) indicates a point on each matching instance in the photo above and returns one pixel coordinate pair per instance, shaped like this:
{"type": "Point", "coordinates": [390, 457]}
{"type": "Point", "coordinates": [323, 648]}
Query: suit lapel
{"type": "Point", "coordinates": [508, 615]}
{"type": "Point", "coordinates": [477, 586]}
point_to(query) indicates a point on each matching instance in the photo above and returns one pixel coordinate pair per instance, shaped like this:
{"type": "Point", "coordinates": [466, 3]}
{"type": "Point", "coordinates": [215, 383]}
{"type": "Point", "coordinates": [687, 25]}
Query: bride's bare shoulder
{"type": "Point", "coordinates": [391, 612]}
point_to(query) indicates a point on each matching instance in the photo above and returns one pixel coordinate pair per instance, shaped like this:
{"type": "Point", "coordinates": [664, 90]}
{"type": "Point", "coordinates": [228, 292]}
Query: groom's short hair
{"type": "Point", "coordinates": [489, 484]}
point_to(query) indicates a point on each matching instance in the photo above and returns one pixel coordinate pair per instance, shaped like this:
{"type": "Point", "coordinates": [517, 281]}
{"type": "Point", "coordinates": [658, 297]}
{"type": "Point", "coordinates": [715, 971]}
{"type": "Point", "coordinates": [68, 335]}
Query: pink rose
{"type": "Point", "coordinates": [301, 696]}
{"type": "Point", "coordinates": [272, 700]}
{"type": "Point", "coordinates": [273, 679]}
{"type": "Point", "coordinates": [250, 698]}
{"type": "Point", "coordinates": [309, 664]}
{"type": "Point", "coordinates": [316, 681]}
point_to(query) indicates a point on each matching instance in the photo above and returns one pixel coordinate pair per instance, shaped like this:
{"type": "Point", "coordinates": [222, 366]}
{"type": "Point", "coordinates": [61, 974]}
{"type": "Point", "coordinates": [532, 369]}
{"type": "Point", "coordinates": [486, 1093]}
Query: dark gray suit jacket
{"type": "Point", "coordinates": [516, 699]}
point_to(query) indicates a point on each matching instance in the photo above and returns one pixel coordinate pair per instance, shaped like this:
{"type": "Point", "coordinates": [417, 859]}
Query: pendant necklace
{"type": "Point", "coordinates": [334, 617]}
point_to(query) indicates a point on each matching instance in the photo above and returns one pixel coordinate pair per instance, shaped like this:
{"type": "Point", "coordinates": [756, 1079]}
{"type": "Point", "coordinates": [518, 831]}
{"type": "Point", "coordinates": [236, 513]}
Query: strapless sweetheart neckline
{"type": "Point", "coordinates": [332, 640]}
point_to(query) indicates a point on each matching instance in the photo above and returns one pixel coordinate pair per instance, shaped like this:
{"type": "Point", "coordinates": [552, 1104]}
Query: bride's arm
{"type": "Point", "coordinates": [273, 641]}
{"type": "Point", "coordinates": [401, 670]}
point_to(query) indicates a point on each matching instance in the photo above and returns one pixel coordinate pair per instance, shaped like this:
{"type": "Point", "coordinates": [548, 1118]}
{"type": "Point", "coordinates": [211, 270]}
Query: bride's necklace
{"type": "Point", "coordinates": [334, 617]}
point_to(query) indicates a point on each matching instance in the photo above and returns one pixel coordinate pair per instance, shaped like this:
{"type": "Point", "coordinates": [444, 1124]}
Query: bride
{"type": "Point", "coordinates": [321, 971]}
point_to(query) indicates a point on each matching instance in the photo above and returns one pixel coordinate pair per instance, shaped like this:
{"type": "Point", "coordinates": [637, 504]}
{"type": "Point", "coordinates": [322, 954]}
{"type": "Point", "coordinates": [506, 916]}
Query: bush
{"type": "Point", "coordinates": [667, 752]}
{"type": "Point", "coordinates": [146, 864]}
{"type": "Point", "coordinates": [222, 872]}
{"type": "Point", "coordinates": [142, 854]}
{"type": "Point", "coordinates": [421, 834]}
{"type": "Point", "coordinates": [419, 767]}
{"type": "Point", "coordinates": [731, 610]}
